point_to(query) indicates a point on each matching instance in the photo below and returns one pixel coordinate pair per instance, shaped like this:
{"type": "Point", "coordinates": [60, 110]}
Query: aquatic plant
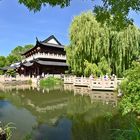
{"type": "Point", "coordinates": [28, 137]}
{"type": "Point", "coordinates": [8, 130]}
{"type": "Point", "coordinates": [127, 134]}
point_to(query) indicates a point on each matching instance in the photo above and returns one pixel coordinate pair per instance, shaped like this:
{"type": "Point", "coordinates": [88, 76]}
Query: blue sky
{"type": "Point", "coordinates": [19, 26]}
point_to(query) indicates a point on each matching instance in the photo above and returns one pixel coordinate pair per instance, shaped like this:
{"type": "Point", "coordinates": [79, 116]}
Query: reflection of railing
{"type": "Point", "coordinates": [69, 87]}
{"type": "Point", "coordinates": [45, 55]}
{"type": "Point", "coordinates": [95, 84]}
{"type": "Point", "coordinates": [95, 96]}
{"type": "Point", "coordinates": [105, 97]}
{"type": "Point", "coordinates": [10, 87]}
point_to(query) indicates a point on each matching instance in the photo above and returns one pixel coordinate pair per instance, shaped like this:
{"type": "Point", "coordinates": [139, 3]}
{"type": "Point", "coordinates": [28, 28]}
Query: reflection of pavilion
{"type": "Point", "coordinates": [103, 96]}
{"type": "Point", "coordinates": [46, 107]}
{"type": "Point", "coordinates": [69, 87]}
{"type": "Point", "coordinates": [8, 87]}
{"type": "Point", "coordinates": [82, 91]}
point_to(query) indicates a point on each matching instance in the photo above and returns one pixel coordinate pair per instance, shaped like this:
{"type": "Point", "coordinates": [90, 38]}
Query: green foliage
{"type": "Point", "coordinates": [27, 47]}
{"type": "Point", "coordinates": [17, 52]}
{"type": "Point", "coordinates": [50, 81]}
{"type": "Point", "coordinates": [111, 50]}
{"type": "Point", "coordinates": [1, 72]}
{"type": "Point", "coordinates": [14, 56]}
{"type": "Point", "coordinates": [90, 69]}
{"type": "Point", "coordinates": [104, 66]}
{"type": "Point", "coordinates": [36, 5]}
{"type": "Point", "coordinates": [11, 72]}
{"type": "Point", "coordinates": [110, 10]}
{"type": "Point", "coordinates": [131, 90]}
{"type": "Point", "coordinates": [101, 69]}
{"type": "Point", "coordinates": [11, 59]}
{"type": "Point", "coordinates": [114, 18]}
{"type": "Point", "coordinates": [2, 61]}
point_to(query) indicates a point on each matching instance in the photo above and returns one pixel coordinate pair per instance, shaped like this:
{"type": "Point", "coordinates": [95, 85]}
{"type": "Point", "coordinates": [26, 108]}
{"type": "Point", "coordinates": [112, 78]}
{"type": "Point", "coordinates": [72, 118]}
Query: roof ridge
{"type": "Point", "coordinates": [49, 38]}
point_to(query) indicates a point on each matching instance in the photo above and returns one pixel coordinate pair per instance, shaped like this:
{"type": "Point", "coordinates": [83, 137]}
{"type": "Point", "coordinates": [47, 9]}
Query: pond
{"type": "Point", "coordinates": [61, 113]}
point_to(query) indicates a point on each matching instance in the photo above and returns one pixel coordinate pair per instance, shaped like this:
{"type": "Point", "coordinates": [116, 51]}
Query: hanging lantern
{"type": "Point", "coordinates": [38, 48]}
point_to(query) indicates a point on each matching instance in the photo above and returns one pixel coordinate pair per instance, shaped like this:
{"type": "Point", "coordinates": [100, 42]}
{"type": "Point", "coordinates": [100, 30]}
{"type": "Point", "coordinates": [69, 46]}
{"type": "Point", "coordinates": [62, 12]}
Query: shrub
{"type": "Point", "coordinates": [130, 87]}
{"type": "Point", "coordinates": [50, 81]}
{"type": "Point", "coordinates": [11, 72]}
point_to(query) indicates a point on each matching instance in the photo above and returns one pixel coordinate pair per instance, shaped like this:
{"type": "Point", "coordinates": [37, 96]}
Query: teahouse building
{"type": "Point", "coordinates": [46, 57]}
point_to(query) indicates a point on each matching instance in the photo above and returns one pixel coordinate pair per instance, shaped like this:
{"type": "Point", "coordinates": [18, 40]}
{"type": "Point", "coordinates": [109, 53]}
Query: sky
{"type": "Point", "coordinates": [19, 26]}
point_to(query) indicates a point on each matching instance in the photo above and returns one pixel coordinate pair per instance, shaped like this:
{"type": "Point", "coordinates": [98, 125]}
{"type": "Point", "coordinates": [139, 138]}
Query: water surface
{"type": "Point", "coordinates": [60, 113]}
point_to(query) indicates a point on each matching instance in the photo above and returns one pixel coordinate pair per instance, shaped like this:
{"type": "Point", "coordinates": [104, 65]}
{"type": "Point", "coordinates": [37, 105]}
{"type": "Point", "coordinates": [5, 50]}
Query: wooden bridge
{"type": "Point", "coordinates": [93, 84]}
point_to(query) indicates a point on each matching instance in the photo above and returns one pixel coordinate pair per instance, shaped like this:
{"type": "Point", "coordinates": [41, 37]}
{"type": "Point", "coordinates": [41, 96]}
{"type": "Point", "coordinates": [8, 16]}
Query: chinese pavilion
{"type": "Point", "coordinates": [46, 57]}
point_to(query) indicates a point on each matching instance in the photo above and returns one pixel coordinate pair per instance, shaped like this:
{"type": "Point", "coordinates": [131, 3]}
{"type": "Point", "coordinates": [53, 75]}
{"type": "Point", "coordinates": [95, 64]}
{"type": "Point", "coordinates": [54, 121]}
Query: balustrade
{"type": "Point", "coordinates": [45, 55]}
{"type": "Point", "coordinates": [98, 84]}
{"type": "Point", "coordinates": [69, 79]}
{"type": "Point", "coordinates": [21, 78]}
{"type": "Point", "coordinates": [83, 81]}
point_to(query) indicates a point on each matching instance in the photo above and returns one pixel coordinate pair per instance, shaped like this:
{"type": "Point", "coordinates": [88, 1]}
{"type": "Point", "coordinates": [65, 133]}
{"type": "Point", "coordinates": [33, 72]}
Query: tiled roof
{"type": "Point", "coordinates": [27, 64]}
{"type": "Point", "coordinates": [51, 63]}
{"type": "Point", "coordinates": [52, 45]}
{"type": "Point", "coordinates": [45, 43]}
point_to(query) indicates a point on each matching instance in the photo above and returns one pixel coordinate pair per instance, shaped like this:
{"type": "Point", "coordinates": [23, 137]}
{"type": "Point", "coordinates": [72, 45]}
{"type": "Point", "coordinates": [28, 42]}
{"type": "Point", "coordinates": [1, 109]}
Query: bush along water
{"type": "Point", "coordinates": [50, 81]}
{"type": "Point", "coordinates": [130, 103]}
{"type": "Point", "coordinates": [130, 86]}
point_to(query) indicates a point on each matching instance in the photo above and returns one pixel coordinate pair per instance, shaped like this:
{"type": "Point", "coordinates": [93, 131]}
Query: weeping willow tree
{"type": "Point", "coordinates": [92, 41]}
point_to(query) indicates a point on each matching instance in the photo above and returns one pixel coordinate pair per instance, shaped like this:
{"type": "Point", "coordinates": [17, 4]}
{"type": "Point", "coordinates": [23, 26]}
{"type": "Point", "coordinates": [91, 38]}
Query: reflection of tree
{"type": "Point", "coordinates": [84, 130]}
{"type": "Point", "coordinates": [95, 121]}
{"type": "Point", "coordinates": [60, 131]}
{"type": "Point", "coordinates": [89, 120]}
{"type": "Point", "coordinates": [82, 105]}
{"type": "Point", "coordinates": [100, 128]}
{"type": "Point", "coordinates": [12, 97]}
